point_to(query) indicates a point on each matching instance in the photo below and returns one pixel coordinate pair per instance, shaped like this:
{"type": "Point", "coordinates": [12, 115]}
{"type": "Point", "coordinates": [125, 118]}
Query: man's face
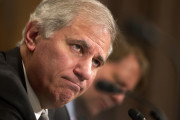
{"type": "Point", "coordinates": [124, 75]}
{"type": "Point", "coordinates": [63, 67]}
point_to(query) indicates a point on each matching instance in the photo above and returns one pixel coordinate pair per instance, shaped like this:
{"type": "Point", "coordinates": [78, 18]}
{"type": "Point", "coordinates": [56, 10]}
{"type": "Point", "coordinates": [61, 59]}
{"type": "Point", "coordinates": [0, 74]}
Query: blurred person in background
{"type": "Point", "coordinates": [126, 69]}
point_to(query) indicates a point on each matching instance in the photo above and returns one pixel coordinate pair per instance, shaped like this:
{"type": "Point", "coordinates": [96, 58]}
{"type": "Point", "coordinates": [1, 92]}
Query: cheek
{"type": "Point", "coordinates": [60, 62]}
{"type": "Point", "coordinates": [56, 55]}
{"type": "Point", "coordinates": [90, 94]}
{"type": "Point", "coordinates": [60, 93]}
{"type": "Point", "coordinates": [90, 83]}
{"type": "Point", "coordinates": [104, 73]}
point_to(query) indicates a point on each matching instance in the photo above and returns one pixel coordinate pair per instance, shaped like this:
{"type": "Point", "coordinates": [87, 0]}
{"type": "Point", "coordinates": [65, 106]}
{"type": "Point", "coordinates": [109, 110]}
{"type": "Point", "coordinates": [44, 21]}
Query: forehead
{"type": "Point", "coordinates": [97, 36]}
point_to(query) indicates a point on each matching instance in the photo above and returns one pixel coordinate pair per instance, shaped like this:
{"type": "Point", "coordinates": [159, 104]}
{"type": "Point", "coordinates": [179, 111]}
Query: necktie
{"type": "Point", "coordinates": [44, 116]}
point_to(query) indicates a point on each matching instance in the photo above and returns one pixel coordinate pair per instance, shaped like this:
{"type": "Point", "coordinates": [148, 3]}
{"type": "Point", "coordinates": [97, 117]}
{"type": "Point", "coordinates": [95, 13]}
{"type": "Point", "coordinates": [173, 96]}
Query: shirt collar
{"type": "Point", "coordinates": [32, 96]}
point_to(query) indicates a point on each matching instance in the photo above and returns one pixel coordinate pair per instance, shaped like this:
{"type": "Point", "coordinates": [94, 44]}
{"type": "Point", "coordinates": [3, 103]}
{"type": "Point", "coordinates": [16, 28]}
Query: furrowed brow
{"type": "Point", "coordinates": [83, 43]}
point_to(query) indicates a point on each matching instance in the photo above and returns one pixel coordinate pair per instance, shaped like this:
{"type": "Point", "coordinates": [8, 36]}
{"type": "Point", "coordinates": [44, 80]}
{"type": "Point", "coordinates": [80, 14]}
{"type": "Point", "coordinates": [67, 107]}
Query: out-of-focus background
{"type": "Point", "coordinates": [154, 24]}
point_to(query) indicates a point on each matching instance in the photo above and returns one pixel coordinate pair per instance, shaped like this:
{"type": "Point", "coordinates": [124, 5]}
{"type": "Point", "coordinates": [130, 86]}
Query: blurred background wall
{"type": "Point", "coordinates": [154, 24]}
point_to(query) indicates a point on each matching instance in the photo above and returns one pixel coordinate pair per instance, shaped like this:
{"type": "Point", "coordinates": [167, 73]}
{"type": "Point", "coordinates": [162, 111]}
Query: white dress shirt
{"type": "Point", "coordinates": [32, 97]}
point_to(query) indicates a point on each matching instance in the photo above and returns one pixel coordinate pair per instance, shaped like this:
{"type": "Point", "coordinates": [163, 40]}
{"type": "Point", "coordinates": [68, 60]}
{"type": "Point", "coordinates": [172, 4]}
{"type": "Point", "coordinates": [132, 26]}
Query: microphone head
{"type": "Point", "coordinates": [154, 115]}
{"type": "Point", "coordinates": [105, 86]}
{"type": "Point", "coordinates": [136, 115]}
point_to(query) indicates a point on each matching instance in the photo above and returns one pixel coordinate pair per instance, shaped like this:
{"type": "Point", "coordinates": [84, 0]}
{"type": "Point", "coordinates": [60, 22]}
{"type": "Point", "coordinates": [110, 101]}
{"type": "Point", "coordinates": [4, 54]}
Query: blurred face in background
{"type": "Point", "coordinates": [124, 74]}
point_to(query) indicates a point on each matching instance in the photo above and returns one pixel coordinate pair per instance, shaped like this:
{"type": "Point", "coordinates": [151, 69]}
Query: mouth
{"type": "Point", "coordinates": [103, 104]}
{"type": "Point", "coordinates": [72, 83]}
{"type": "Point", "coordinates": [106, 104]}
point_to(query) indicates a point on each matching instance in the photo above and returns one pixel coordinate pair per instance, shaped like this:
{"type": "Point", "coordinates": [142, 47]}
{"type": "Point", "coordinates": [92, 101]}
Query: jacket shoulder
{"type": "Point", "coordinates": [14, 103]}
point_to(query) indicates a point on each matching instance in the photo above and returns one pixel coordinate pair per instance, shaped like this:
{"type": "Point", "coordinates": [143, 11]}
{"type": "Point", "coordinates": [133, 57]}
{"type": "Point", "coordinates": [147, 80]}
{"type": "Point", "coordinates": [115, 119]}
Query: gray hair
{"type": "Point", "coordinates": [52, 15]}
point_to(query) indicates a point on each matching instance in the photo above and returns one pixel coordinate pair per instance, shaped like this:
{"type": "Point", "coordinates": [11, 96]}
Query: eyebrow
{"type": "Point", "coordinates": [85, 45]}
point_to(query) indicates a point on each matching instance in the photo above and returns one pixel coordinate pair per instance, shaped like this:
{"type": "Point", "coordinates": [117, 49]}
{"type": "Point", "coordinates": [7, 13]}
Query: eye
{"type": "Point", "coordinates": [96, 63]}
{"type": "Point", "coordinates": [77, 48]}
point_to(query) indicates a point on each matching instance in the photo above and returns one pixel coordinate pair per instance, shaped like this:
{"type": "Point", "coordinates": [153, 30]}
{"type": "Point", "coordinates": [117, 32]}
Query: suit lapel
{"type": "Point", "coordinates": [13, 58]}
{"type": "Point", "coordinates": [13, 86]}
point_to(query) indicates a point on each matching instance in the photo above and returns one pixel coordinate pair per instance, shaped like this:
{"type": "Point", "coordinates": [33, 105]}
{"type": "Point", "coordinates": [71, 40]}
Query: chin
{"type": "Point", "coordinates": [65, 97]}
{"type": "Point", "coordinates": [56, 104]}
{"type": "Point", "coordinates": [59, 97]}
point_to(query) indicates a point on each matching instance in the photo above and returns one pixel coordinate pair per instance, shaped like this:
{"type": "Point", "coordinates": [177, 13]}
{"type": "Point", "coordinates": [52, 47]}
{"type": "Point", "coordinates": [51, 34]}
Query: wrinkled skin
{"type": "Point", "coordinates": [63, 66]}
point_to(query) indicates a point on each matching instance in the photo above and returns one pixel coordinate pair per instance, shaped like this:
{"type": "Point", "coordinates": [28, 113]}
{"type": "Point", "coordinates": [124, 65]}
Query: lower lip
{"type": "Point", "coordinates": [73, 86]}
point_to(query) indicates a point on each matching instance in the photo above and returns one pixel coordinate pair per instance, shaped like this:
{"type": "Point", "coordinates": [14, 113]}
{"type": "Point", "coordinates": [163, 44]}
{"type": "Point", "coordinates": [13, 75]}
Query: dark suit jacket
{"type": "Point", "coordinates": [14, 102]}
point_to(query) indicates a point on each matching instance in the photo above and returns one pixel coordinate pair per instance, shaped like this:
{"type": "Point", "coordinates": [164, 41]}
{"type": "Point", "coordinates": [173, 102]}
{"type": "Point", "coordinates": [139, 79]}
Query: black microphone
{"type": "Point", "coordinates": [156, 116]}
{"type": "Point", "coordinates": [105, 86]}
{"type": "Point", "coordinates": [136, 115]}
{"type": "Point", "coordinates": [155, 112]}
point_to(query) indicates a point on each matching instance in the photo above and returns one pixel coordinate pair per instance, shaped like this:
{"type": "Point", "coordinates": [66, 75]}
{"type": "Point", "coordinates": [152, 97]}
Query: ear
{"type": "Point", "coordinates": [31, 34]}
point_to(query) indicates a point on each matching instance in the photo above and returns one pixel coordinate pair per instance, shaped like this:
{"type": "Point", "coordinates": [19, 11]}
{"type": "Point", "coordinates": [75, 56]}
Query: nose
{"type": "Point", "coordinates": [118, 99]}
{"type": "Point", "coordinates": [83, 70]}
